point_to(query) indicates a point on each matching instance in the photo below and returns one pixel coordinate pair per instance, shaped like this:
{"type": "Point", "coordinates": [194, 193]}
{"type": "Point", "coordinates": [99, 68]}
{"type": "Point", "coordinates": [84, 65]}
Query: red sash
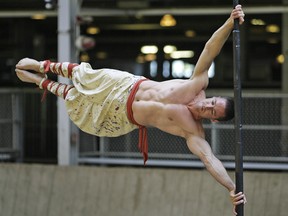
{"type": "Point", "coordinates": [143, 141]}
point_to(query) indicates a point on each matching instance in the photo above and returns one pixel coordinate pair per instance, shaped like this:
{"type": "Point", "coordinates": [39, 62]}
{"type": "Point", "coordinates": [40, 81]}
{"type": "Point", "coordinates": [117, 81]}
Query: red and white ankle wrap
{"type": "Point", "coordinates": [59, 89]}
{"type": "Point", "coordinates": [64, 69]}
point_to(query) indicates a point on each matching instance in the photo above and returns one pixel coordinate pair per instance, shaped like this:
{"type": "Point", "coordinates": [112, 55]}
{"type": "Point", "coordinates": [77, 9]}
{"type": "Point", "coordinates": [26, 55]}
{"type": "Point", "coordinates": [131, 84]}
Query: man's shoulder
{"type": "Point", "coordinates": [197, 130]}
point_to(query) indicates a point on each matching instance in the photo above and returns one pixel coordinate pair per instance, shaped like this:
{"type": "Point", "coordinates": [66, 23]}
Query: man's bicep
{"type": "Point", "coordinates": [199, 146]}
{"type": "Point", "coordinates": [199, 82]}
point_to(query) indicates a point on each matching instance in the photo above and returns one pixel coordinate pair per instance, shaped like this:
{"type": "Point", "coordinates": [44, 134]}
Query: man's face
{"type": "Point", "coordinates": [211, 108]}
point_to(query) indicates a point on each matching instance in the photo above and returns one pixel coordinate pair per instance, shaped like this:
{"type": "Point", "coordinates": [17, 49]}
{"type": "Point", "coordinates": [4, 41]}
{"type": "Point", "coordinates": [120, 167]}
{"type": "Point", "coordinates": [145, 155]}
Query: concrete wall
{"type": "Point", "coordinates": [42, 190]}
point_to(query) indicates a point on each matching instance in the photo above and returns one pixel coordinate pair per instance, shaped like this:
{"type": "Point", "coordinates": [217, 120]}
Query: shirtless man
{"type": "Point", "coordinates": [175, 106]}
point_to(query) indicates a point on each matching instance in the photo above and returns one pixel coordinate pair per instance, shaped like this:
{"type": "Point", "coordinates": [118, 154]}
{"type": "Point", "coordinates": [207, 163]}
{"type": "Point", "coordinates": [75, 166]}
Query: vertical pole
{"type": "Point", "coordinates": [284, 110]}
{"type": "Point", "coordinates": [238, 112]}
{"type": "Point", "coordinates": [68, 134]}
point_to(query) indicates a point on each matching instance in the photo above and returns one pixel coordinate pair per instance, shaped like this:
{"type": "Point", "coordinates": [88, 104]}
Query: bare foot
{"type": "Point", "coordinates": [29, 77]}
{"type": "Point", "coordinates": [28, 64]}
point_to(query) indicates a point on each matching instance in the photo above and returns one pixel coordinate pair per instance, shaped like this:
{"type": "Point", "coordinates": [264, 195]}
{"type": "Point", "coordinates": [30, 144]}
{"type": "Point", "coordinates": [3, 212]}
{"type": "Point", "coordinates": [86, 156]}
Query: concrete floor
{"type": "Point", "coordinates": [49, 190]}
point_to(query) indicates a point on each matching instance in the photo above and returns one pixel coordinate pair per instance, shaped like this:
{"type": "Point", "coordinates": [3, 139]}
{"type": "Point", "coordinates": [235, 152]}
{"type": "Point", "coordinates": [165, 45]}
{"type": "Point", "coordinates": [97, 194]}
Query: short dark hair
{"type": "Point", "coordinates": [229, 109]}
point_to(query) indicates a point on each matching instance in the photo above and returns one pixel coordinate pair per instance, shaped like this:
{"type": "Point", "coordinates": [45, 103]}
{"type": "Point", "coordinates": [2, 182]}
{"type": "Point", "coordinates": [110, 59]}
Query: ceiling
{"type": "Point", "coordinates": [139, 19]}
{"type": "Point", "coordinates": [152, 4]}
{"type": "Point", "coordinates": [126, 25]}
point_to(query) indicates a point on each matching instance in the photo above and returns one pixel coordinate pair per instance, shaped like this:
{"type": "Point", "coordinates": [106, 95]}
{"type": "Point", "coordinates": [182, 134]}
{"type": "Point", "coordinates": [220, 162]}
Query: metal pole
{"type": "Point", "coordinates": [68, 134]}
{"type": "Point", "coordinates": [238, 112]}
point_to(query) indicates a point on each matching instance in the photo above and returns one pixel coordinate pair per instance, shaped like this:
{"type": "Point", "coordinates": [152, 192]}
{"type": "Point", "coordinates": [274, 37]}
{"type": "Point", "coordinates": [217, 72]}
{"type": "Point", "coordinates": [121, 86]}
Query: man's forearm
{"type": "Point", "coordinates": [212, 48]}
{"type": "Point", "coordinates": [218, 39]}
{"type": "Point", "coordinates": [201, 148]}
{"type": "Point", "coordinates": [217, 170]}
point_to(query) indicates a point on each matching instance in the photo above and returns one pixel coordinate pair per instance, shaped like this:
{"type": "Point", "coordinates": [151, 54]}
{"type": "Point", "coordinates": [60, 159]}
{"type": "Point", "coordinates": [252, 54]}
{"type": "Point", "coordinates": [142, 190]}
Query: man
{"type": "Point", "coordinates": [98, 100]}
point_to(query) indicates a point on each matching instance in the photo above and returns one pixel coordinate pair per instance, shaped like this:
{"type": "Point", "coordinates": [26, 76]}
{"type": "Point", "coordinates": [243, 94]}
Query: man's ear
{"type": "Point", "coordinates": [214, 120]}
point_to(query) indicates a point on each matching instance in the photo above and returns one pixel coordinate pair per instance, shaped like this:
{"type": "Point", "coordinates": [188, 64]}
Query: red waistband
{"type": "Point", "coordinates": [143, 141]}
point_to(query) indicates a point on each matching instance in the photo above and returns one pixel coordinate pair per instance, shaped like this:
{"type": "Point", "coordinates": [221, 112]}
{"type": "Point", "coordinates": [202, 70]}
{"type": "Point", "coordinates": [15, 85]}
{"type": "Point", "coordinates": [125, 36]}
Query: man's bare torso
{"type": "Point", "coordinates": [165, 105]}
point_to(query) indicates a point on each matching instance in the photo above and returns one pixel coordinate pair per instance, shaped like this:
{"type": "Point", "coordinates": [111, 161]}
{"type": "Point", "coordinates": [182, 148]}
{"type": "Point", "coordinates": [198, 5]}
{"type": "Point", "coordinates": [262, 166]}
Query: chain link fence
{"type": "Point", "coordinates": [10, 123]}
{"type": "Point", "coordinates": [25, 121]}
{"type": "Point", "coordinates": [264, 135]}
{"type": "Point", "coordinates": [27, 126]}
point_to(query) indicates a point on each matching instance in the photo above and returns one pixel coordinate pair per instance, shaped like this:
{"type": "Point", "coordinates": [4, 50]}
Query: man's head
{"type": "Point", "coordinates": [229, 109]}
{"type": "Point", "coordinates": [215, 108]}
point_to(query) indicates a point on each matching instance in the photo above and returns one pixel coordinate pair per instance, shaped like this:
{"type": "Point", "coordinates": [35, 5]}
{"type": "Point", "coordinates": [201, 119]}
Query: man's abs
{"type": "Point", "coordinates": [175, 91]}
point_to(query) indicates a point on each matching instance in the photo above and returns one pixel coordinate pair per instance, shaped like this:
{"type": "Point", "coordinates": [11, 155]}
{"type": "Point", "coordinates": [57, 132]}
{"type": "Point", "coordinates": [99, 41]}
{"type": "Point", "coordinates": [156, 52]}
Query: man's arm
{"type": "Point", "coordinates": [201, 148]}
{"type": "Point", "coordinates": [214, 45]}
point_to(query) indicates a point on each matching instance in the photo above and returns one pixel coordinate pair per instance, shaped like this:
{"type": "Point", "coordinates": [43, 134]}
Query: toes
{"type": "Point", "coordinates": [24, 63]}
{"type": "Point", "coordinates": [20, 63]}
{"type": "Point", "coordinates": [24, 76]}
{"type": "Point", "coordinates": [29, 77]}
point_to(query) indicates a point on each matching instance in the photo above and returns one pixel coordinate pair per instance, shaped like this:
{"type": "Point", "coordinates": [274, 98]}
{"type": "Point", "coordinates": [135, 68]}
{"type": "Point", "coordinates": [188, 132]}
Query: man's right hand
{"type": "Point", "coordinates": [237, 199]}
